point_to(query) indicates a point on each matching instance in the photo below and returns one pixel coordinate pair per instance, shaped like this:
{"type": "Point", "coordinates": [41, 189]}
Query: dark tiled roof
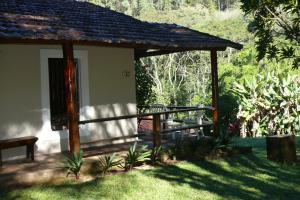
{"type": "Point", "coordinates": [60, 20]}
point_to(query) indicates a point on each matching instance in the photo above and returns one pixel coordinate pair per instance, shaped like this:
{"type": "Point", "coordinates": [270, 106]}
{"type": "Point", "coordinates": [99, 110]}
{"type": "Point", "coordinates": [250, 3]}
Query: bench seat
{"type": "Point", "coordinates": [28, 141]}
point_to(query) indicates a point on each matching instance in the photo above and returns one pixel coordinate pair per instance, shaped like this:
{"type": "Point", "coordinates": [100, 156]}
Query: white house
{"type": "Point", "coordinates": [105, 43]}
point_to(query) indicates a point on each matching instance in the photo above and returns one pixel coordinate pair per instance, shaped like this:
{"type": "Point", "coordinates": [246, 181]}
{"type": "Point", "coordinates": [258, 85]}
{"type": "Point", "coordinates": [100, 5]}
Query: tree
{"type": "Point", "coordinates": [144, 84]}
{"type": "Point", "coordinates": [276, 25]}
{"type": "Point", "coordinates": [181, 78]}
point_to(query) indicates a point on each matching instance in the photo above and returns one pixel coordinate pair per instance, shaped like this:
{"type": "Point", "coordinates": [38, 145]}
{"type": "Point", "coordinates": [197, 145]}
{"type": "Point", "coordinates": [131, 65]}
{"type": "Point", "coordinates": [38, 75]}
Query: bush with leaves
{"type": "Point", "coordinates": [269, 104]}
{"type": "Point", "coordinates": [107, 162]}
{"type": "Point", "coordinates": [73, 163]}
{"type": "Point", "coordinates": [135, 156]}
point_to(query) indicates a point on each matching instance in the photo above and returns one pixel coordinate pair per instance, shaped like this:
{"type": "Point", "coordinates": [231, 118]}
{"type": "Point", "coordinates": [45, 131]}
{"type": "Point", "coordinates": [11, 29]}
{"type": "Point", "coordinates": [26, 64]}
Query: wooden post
{"type": "Point", "coordinates": [215, 91]}
{"type": "Point", "coordinates": [71, 98]}
{"type": "Point", "coordinates": [156, 130]}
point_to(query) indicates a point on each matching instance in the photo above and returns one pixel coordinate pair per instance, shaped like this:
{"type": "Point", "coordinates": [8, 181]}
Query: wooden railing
{"type": "Point", "coordinates": [156, 117]}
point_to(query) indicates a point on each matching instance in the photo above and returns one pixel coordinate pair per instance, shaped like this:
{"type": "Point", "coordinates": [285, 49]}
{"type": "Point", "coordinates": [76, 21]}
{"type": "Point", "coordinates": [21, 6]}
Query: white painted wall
{"type": "Point", "coordinates": [24, 103]}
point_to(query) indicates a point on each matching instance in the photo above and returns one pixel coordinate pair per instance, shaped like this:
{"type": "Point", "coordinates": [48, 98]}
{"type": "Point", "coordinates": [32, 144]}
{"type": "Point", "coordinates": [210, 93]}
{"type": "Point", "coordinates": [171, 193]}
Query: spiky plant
{"type": "Point", "coordinates": [73, 163]}
{"type": "Point", "coordinates": [136, 156]}
{"type": "Point", "coordinates": [224, 140]}
{"type": "Point", "coordinates": [155, 153]}
{"type": "Point", "coordinates": [107, 162]}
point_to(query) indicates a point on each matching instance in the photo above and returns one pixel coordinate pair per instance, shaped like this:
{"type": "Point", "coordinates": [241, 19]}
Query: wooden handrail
{"type": "Point", "coordinates": [157, 129]}
{"type": "Point", "coordinates": [177, 107]}
{"type": "Point", "coordinates": [145, 114]}
{"type": "Point", "coordinates": [193, 126]}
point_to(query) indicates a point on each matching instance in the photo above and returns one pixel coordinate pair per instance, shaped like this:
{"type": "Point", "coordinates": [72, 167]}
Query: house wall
{"type": "Point", "coordinates": [23, 112]}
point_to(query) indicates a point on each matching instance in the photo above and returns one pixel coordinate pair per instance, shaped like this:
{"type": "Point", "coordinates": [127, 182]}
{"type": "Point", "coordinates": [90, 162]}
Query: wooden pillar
{"type": "Point", "coordinates": [156, 130]}
{"type": "Point", "coordinates": [215, 91]}
{"type": "Point", "coordinates": [71, 98]}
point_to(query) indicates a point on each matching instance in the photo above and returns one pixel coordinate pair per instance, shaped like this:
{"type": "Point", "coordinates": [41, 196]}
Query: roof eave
{"type": "Point", "coordinates": [145, 46]}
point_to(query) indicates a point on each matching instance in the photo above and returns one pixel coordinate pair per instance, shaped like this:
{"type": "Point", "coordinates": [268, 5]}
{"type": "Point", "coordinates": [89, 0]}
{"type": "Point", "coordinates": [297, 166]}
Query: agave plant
{"type": "Point", "coordinates": [107, 162]}
{"type": "Point", "coordinates": [136, 156]}
{"type": "Point", "coordinates": [224, 140]}
{"type": "Point", "coordinates": [269, 104]}
{"type": "Point", "coordinates": [73, 164]}
{"type": "Point", "coordinates": [155, 153]}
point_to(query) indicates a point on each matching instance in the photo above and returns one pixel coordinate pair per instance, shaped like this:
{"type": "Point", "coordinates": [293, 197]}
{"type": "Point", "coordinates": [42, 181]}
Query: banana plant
{"type": "Point", "coordinates": [269, 104]}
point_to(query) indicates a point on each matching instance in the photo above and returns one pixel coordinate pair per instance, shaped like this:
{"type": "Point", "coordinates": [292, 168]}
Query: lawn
{"type": "Point", "coordinates": [242, 177]}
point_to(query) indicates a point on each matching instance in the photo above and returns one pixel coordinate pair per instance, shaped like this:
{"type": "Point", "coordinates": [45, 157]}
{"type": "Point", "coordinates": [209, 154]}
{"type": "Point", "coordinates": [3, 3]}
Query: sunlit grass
{"type": "Point", "coordinates": [249, 176]}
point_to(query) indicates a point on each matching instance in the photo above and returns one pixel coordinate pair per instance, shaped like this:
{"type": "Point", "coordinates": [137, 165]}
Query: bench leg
{"type": "Point", "coordinates": [27, 151]}
{"type": "Point", "coordinates": [0, 158]}
{"type": "Point", "coordinates": [30, 152]}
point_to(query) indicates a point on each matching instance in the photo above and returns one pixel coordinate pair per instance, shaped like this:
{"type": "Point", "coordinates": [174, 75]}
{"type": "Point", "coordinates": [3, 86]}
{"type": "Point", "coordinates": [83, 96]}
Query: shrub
{"type": "Point", "coordinates": [190, 148]}
{"type": "Point", "coordinates": [171, 152]}
{"type": "Point", "coordinates": [73, 164]}
{"type": "Point", "coordinates": [269, 103]}
{"type": "Point", "coordinates": [204, 146]}
{"type": "Point", "coordinates": [136, 156]}
{"type": "Point", "coordinates": [107, 162]}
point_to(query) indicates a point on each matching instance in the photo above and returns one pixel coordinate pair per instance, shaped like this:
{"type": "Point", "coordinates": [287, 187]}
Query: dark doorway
{"type": "Point", "coordinates": [58, 107]}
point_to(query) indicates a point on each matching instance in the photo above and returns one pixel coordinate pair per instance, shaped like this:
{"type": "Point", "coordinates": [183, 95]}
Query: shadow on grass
{"type": "Point", "coordinates": [243, 177]}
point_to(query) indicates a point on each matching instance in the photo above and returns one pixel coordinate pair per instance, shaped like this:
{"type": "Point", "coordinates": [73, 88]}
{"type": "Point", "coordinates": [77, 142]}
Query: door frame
{"type": "Point", "coordinates": [84, 96]}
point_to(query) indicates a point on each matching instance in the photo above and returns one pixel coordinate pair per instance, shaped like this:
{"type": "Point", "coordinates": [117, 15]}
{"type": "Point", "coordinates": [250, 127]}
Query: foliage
{"type": "Point", "coordinates": [276, 25]}
{"type": "Point", "coordinates": [228, 74]}
{"type": "Point", "coordinates": [192, 148]}
{"type": "Point", "coordinates": [269, 103]}
{"type": "Point", "coordinates": [73, 164]}
{"type": "Point", "coordinates": [138, 7]}
{"type": "Point", "coordinates": [144, 84]}
{"type": "Point", "coordinates": [107, 162]}
{"type": "Point", "coordinates": [136, 156]}
{"type": "Point", "coordinates": [246, 57]}
{"type": "Point", "coordinates": [155, 153]}
{"type": "Point", "coordinates": [171, 152]}
{"type": "Point", "coordinates": [178, 79]}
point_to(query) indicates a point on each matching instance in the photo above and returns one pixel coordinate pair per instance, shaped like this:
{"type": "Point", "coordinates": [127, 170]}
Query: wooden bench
{"type": "Point", "coordinates": [29, 142]}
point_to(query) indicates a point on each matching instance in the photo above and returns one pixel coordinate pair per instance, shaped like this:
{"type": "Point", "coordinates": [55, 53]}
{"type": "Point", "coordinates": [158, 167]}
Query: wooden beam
{"type": "Point", "coordinates": [71, 98]}
{"type": "Point", "coordinates": [143, 53]}
{"type": "Point", "coordinates": [156, 130]}
{"type": "Point", "coordinates": [215, 91]}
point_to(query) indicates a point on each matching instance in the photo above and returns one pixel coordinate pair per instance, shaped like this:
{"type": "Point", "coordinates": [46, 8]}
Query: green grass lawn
{"type": "Point", "coordinates": [249, 176]}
